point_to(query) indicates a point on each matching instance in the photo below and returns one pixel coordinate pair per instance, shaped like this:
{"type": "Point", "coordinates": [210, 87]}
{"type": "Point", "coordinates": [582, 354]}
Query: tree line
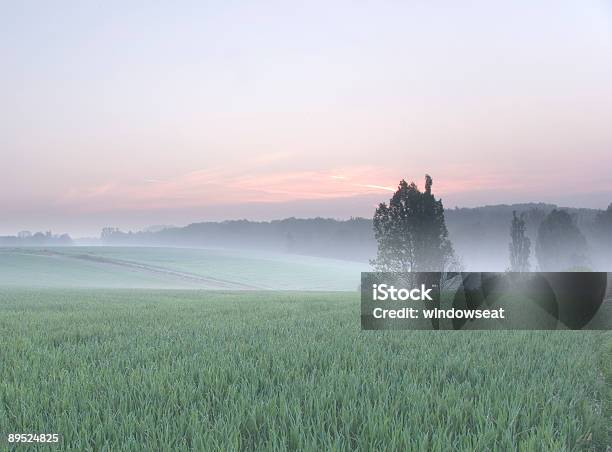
{"type": "Point", "coordinates": [26, 238]}
{"type": "Point", "coordinates": [412, 235]}
{"type": "Point", "coordinates": [414, 232]}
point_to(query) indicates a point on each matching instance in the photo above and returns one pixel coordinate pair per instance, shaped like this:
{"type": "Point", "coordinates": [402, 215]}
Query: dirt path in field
{"type": "Point", "coordinates": [209, 281]}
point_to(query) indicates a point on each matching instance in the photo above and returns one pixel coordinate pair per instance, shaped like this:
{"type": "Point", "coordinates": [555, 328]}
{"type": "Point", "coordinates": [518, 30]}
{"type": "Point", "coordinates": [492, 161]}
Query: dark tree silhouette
{"type": "Point", "coordinates": [560, 244]}
{"type": "Point", "coordinates": [411, 232]}
{"type": "Point", "coordinates": [520, 246]}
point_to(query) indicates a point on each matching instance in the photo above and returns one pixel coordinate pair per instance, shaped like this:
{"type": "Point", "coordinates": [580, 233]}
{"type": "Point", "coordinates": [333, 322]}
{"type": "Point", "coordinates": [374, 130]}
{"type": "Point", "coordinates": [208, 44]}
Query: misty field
{"type": "Point", "coordinates": [178, 268]}
{"type": "Point", "coordinates": [205, 370]}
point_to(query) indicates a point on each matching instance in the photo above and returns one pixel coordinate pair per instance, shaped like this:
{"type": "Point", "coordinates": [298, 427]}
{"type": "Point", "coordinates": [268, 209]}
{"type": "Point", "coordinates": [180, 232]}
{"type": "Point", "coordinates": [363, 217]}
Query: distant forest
{"type": "Point", "coordinates": [480, 236]}
{"type": "Point", "coordinates": [26, 238]}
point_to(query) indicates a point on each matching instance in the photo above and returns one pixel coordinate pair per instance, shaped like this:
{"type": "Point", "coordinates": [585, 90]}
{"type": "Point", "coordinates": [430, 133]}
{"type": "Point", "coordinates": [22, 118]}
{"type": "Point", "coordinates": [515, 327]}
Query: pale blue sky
{"type": "Point", "coordinates": [132, 113]}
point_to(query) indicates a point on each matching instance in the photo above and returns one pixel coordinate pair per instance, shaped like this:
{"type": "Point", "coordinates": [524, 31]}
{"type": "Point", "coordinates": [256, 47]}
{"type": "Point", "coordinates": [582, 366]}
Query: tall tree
{"type": "Point", "coordinates": [520, 246]}
{"type": "Point", "coordinates": [560, 244]}
{"type": "Point", "coordinates": [411, 231]}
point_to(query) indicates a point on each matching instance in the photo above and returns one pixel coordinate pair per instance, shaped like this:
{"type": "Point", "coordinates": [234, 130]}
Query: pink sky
{"type": "Point", "coordinates": [130, 116]}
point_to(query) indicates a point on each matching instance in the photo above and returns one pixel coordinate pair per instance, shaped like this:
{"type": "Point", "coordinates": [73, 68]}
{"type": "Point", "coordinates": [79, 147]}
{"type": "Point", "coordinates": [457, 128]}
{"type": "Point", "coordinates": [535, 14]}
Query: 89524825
{"type": "Point", "coordinates": [14, 438]}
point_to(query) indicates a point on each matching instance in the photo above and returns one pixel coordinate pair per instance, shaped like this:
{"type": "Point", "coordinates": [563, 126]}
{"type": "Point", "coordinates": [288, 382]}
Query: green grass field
{"type": "Point", "coordinates": [116, 369]}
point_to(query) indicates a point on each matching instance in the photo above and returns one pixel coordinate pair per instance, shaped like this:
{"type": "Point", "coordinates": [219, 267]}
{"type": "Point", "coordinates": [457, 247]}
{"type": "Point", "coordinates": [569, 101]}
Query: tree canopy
{"type": "Point", "coordinates": [411, 232]}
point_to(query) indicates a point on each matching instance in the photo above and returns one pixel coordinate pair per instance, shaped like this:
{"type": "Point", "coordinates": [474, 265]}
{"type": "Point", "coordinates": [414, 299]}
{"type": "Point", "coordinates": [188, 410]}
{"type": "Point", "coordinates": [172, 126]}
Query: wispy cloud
{"type": "Point", "coordinates": [230, 186]}
{"type": "Point", "coordinates": [243, 184]}
{"type": "Point", "coordinates": [376, 187]}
